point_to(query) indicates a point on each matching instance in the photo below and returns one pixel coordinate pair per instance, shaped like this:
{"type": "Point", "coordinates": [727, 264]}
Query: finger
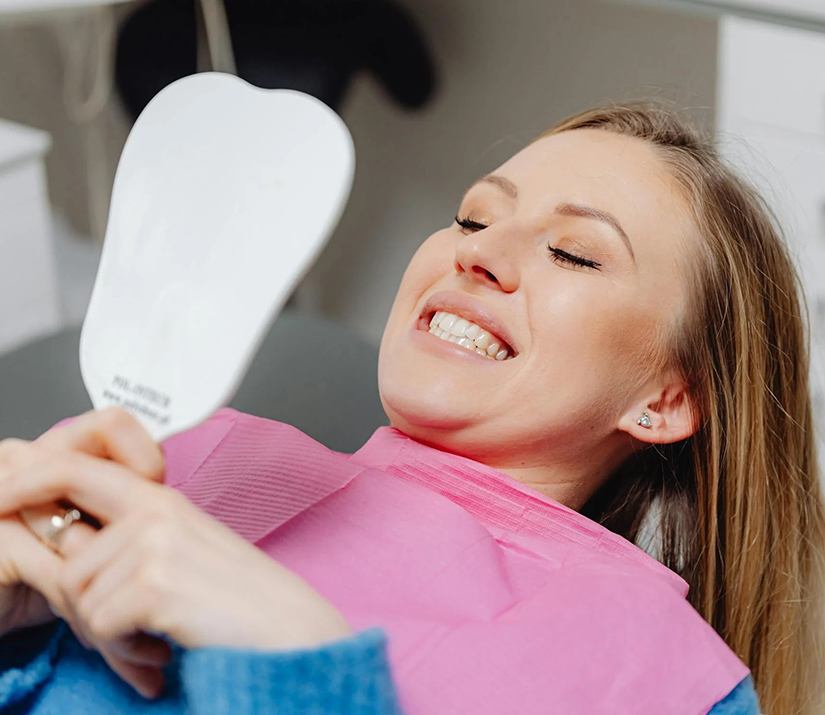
{"type": "Point", "coordinates": [106, 490]}
{"type": "Point", "coordinates": [85, 550]}
{"type": "Point", "coordinates": [147, 680]}
{"type": "Point", "coordinates": [112, 606]}
{"type": "Point", "coordinates": [76, 535]}
{"type": "Point", "coordinates": [84, 564]}
{"type": "Point", "coordinates": [36, 565]}
{"type": "Point", "coordinates": [142, 649]}
{"type": "Point", "coordinates": [74, 539]}
{"type": "Point", "coordinates": [101, 568]}
{"type": "Point", "coordinates": [14, 453]}
{"type": "Point", "coordinates": [77, 628]}
{"type": "Point", "coordinates": [111, 433]}
{"type": "Point", "coordinates": [123, 612]}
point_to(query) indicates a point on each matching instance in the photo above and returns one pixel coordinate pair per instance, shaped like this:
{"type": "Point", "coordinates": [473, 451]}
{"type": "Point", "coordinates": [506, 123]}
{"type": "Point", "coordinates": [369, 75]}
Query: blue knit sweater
{"type": "Point", "coordinates": [46, 671]}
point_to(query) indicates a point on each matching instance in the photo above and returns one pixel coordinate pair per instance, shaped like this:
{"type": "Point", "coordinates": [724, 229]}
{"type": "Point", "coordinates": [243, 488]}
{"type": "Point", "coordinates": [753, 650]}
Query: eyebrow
{"type": "Point", "coordinates": [507, 186]}
{"type": "Point", "coordinates": [566, 209]}
{"type": "Point", "coordinates": [599, 215]}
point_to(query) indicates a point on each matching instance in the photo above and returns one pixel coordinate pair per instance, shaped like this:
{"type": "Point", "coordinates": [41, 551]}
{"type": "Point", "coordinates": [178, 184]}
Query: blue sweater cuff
{"type": "Point", "coordinates": [742, 700]}
{"type": "Point", "coordinates": [350, 676]}
{"type": "Point", "coordinates": [27, 660]}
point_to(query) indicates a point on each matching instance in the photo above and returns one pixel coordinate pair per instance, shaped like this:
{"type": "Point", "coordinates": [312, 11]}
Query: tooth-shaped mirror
{"type": "Point", "coordinates": [224, 196]}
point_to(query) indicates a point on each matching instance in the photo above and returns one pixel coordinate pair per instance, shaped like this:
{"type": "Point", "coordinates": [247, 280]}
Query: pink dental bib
{"type": "Point", "coordinates": [495, 598]}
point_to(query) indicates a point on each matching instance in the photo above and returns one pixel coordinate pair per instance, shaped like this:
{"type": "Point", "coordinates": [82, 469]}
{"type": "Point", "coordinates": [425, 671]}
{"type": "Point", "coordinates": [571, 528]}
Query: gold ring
{"type": "Point", "coordinates": [58, 523]}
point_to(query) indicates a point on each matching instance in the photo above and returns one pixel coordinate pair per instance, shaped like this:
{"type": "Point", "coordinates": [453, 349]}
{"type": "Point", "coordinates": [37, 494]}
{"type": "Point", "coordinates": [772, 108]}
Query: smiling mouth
{"type": "Point", "coordinates": [453, 328]}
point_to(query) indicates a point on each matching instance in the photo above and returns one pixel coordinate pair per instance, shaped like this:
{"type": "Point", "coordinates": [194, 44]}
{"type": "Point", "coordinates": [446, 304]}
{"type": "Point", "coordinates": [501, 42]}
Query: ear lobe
{"type": "Point", "coordinates": [670, 414]}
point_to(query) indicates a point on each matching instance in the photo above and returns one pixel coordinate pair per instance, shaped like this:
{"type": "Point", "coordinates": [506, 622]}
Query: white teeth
{"type": "Point", "coordinates": [459, 327]}
{"type": "Point", "coordinates": [482, 340]}
{"type": "Point", "coordinates": [447, 322]}
{"type": "Point", "coordinates": [461, 331]}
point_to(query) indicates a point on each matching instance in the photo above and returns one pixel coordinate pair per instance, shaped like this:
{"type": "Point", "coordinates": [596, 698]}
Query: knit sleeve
{"type": "Point", "coordinates": [741, 700]}
{"type": "Point", "coordinates": [27, 659]}
{"type": "Point", "coordinates": [350, 676]}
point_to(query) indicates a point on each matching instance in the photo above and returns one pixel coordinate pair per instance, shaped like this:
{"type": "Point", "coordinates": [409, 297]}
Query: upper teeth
{"type": "Point", "coordinates": [461, 331]}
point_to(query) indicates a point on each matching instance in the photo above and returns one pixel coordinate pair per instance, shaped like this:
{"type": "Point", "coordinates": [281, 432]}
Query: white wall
{"type": "Point", "coordinates": [508, 70]}
{"type": "Point", "coordinates": [773, 129]}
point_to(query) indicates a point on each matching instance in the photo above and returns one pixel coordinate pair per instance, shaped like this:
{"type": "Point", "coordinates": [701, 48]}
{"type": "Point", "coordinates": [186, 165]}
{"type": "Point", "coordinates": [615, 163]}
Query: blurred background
{"type": "Point", "coordinates": [435, 92]}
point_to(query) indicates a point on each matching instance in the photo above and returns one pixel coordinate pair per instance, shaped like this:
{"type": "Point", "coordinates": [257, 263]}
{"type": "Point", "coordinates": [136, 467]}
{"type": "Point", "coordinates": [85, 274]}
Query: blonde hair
{"type": "Point", "coordinates": [738, 505]}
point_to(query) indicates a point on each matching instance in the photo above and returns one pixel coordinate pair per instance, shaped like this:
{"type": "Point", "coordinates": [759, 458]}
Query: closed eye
{"type": "Point", "coordinates": [565, 257]}
{"type": "Point", "coordinates": [470, 225]}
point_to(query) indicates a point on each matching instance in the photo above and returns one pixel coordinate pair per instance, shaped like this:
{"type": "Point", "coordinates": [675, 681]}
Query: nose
{"type": "Point", "coordinates": [488, 258]}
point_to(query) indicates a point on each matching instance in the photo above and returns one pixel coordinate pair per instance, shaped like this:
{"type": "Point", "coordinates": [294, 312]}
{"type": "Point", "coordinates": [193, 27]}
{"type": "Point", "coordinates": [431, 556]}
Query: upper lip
{"type": "Point", "coordinates": [470, 308]}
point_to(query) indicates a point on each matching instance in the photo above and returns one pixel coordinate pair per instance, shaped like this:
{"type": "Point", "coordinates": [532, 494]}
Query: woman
{"type": "Point", "coordinates": [644, 365]}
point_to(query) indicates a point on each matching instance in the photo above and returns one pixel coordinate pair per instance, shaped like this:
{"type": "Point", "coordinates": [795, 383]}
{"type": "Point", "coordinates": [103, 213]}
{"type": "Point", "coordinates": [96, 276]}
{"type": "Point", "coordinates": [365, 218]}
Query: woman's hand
{"type": "Point", "coordinates": [31, 573]}
{"type": "Point", "coordinates": [160, 565]}
{"type": "Point", "coordinates": [26, 565]}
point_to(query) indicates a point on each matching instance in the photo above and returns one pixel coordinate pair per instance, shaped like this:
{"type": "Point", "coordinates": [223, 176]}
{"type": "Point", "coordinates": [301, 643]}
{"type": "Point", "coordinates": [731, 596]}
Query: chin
{"type": "Point", "coordinates": [440, 429]}
{"type": "Point", "coordinates": [410, 410]}
{"type": "Point", "coordinates": [421, 409]}
{"type": "Point", "coordinates": [418, 393]}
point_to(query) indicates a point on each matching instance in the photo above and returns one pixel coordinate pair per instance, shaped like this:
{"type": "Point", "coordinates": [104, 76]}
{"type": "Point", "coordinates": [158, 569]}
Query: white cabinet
{"type": "Point", "coordinates": [809, 11]}
{"type": "Point", "coordinates": [771, 74]}
{"type": "Point", "coordinates": [28, 287]}
{"type": "Point", "coordinates": [771, 124]}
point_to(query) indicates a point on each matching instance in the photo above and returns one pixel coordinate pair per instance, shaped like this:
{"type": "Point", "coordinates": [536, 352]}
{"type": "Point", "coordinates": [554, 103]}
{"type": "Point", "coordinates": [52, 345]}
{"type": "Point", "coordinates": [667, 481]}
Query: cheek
{"type": "Point", "coordinates": [431, 262]}
{"type": "Point", "coordinates": [599, 335]}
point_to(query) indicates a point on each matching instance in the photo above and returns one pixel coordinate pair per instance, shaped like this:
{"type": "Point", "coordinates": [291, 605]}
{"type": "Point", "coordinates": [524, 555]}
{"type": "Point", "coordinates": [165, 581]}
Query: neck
{"type": "Point", "coordinates": [571, 482]}
{"type": "Point", "coordinates": [563, 475]}
{"type": "Point", "coordinates": [572, 492]}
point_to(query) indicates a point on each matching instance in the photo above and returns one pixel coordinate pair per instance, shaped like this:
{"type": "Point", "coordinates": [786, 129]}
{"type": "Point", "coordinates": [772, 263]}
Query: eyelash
{"type": "Point", "coordinates": [557, 253]}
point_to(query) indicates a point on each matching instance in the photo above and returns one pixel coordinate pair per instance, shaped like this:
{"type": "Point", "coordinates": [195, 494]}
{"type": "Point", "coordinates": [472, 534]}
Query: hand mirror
{"type": "Point", "coordinates": [224, 196]}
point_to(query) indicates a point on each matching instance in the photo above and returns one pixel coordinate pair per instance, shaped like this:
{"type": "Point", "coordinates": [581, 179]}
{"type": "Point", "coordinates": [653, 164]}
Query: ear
{"type": "Point", "coordinates": [671, 410]}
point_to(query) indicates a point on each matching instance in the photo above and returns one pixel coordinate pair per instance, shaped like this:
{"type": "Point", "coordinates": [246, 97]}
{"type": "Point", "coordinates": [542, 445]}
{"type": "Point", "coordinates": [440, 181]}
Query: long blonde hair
{"type": "Point", "coordinates": [738, 505]}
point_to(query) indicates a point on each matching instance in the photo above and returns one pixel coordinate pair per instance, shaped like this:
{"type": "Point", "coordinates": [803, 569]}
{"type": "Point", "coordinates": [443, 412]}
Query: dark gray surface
{"type": "Point", "coordinates": [310, 372]}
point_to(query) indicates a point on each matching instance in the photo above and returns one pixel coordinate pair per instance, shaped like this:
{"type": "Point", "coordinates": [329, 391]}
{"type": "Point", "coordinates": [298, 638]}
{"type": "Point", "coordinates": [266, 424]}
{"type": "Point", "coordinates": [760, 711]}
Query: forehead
{"type": "Point", "coordinates": [624, 173]}
{"type": "Point", "coordinates": [620, 174]}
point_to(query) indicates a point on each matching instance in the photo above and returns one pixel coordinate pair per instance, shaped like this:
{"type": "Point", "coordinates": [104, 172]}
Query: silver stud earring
{"type": "Point", "coordinates": [644, 420]}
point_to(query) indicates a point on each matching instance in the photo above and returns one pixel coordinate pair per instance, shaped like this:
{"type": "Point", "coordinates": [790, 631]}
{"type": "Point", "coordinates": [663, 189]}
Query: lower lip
{"type": "Point", "coordinates": [444, 348]}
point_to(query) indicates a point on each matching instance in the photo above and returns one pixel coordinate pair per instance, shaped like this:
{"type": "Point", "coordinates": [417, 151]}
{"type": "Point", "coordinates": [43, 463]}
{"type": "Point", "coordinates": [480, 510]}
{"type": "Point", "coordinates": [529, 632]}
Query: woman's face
{"type": "Point", "coordinates": [574, 377]}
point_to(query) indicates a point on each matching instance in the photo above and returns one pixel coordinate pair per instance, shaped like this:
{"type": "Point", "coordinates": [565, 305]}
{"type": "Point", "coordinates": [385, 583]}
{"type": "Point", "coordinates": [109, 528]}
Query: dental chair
{"type": "Point", "coordinates": [310, 371]}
